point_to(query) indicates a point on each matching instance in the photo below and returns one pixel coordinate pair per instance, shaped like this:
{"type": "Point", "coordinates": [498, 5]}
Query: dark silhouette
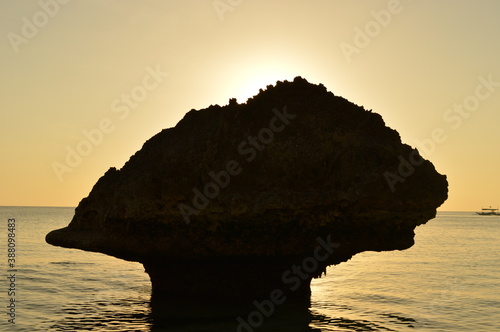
{"type": "Point", "coordinates": [251, 201]}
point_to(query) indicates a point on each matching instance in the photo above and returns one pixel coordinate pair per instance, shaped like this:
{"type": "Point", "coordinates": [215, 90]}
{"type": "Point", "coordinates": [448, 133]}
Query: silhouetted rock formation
{"type": "Point", "coordinates": [241, 200]}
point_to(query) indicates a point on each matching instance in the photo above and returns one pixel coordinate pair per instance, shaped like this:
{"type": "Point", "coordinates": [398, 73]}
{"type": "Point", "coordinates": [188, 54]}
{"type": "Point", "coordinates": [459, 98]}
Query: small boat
{"type": "Point", "coordinates": [489, 212]}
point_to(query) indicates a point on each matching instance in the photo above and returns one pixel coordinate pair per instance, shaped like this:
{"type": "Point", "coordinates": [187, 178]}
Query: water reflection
{"type": "Point", "coordinates": [347, 318]}
{"type": "Point", "coordinates": [241, 316]}
{"type": "Point", "coordinates": [120, 315]}
{"type": "Point", "coordinates": [211, 316]}
{"type": "Point", "coordinates": [289, 317]}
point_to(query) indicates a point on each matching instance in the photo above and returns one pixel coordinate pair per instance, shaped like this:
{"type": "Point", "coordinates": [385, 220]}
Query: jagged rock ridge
{"type": "Point", "coordinates": [232, 197]}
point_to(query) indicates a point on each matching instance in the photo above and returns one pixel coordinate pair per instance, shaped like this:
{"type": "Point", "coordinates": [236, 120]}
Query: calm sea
{"type": "Point", "coordinates": [448, 281]}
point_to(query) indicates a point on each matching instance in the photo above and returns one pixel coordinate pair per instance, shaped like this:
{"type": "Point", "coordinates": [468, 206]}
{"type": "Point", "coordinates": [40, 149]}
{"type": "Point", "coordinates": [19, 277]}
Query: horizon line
{"type": "Point", "coordinates": [59, 206]}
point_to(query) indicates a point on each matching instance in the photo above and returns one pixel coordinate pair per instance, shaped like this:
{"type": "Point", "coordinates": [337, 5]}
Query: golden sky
{"type": "Point", "coordinates": [86, 82]}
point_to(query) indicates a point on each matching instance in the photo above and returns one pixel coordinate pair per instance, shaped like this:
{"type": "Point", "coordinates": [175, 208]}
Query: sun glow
{"type": "Point", "coordinates": [252, 81]}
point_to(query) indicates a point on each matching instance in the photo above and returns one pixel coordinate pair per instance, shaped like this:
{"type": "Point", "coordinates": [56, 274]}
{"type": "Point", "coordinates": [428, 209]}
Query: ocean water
{"type": "Point", "coordinates": [448, 281]}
